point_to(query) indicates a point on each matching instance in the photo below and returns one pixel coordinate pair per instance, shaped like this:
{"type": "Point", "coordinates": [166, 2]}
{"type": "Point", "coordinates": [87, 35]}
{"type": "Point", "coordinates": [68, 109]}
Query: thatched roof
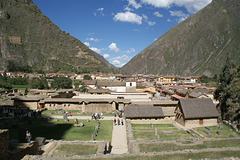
{"type": "Point", "coordinates": [143, 112]}
{"type": "Point", "coordinates": [198, 108]}
{"type": "Point", "coordinates": [99, 90]}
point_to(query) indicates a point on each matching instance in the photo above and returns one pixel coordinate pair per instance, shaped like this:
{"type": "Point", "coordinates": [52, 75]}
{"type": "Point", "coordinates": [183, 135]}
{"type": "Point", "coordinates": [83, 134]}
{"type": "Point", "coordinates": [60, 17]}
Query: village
{"type": "Point", "coordinates": [126, 111]}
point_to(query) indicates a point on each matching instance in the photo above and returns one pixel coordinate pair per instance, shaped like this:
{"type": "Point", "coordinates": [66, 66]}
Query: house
{"type": "Point", "coordinates": [116, 86]}
{"type": "Point", "coordinates": [90, 83]}
{"type": "Point", "coordinates": [196, 112]}
{"type": "Point", "coordinates": [143, 112]}
{"type": "Point", "coordinates": [166, 79]}
{"type": "Point", "coordinates": [31, 103]}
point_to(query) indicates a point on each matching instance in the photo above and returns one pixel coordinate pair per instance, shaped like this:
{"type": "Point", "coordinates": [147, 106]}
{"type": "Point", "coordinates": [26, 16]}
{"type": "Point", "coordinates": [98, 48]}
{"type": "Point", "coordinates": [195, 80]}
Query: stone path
{"type": "Point", "coordinates": [119, 139]}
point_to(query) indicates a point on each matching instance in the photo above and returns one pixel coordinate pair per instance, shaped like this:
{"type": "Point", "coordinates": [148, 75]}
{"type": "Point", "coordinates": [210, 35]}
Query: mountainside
{"type": "Point", "coordinates": [198, 45]}
{"type": "Point", "coordinates": [28, 39]}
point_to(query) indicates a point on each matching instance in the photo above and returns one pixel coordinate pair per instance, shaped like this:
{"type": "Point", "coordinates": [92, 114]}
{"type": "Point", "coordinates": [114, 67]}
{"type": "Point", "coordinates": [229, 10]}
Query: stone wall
{"type": "Point", "coordinates": [4, 138]}
{"type": "Point", "coordinates": [98, 107]}
{"type": "Point", "coordinates": [24, 149]}
{"type": "Point", "coordinates": [195, 123]}
{"type": "Point", "coordinates": [64, 106]}
{"type": "Point", "coordinates": [30, 105]}
{"type": "Point", "coordinates": [165, 120]}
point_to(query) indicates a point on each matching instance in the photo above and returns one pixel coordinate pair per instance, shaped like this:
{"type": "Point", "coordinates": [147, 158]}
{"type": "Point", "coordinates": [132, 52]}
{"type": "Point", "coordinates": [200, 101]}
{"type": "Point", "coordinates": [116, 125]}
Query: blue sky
{"type": "Point", "coordinates": [118, 29]}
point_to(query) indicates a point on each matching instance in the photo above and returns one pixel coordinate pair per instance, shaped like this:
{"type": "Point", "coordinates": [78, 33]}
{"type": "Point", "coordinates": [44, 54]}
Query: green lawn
{"type": "Point", "coordinates": [144, 134]}
{"type": "Point", "coordinates": [75, 149]}
{"type": "Point", "coordinates": [65, 130]}
{"type": "Point", "coordinates": [158, 147]}
{"type": "Point", "coordinates": [183, 156]}
{"type": "Point", "coordinates": [225, 132]}
{"type": "Point", "coordinates": [20, 87]}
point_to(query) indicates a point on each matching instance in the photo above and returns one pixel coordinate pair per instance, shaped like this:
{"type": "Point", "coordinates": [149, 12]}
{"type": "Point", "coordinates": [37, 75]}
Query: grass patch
{"type": "Point", "coordinates": [105, 130]}
{"type": "Point", "coordinates": [225, 132]}
{"type": "Point", "coordinates": [64, 130]}
{"type": "Point", "coordinates": [183, 156]}
{"type": "Point", "coordinates": [75, 149]}
{"type": "Point", "coordinates": [158, 147]}
{"type": "Point", "coordinates": [144, 134]}
{"type": "Point", "coordinates": [20, 87]}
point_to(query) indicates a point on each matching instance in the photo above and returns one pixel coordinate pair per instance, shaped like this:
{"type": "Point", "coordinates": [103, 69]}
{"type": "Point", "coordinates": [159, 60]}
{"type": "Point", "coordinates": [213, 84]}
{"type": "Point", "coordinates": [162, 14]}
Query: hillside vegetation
{"type": "Point", "coordinates": [196, 46]}
{"type": "Point", "coordinates": [29, 42]}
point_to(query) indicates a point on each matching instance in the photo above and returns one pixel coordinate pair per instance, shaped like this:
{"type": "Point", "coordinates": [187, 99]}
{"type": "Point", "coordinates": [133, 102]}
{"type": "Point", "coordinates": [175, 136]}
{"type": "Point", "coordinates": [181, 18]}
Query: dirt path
{"type": "Point", "coordinates": [119, 139]}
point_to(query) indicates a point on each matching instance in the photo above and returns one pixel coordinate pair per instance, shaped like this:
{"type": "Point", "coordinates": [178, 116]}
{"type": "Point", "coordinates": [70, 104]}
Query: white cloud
{"type": "Point", "coordinates": [93, 39]}
{"type": "Point", "coordinates": [178, 13]}
{"type": "Point", "coordinates": [106, 55]}
{"type": "Point", "coordinates": [87, 44]}
{"type": "Point", "coordinates": [113, 48]}
{"type": "Point", "coordinates": [120, 60]}
{"type": "Point", "coordinates": [182, 16]}
{"type": "Point", "coordinates": [169, 20]}
{"type": "Point", "coordinates": [99, 12]}
{"type": "Point", "coordinates": [191, 5]}
{"type": "Point", "coordinates": [128, 17]}
{"type": "Point", "coordinates": [131, 50]}
{"type": "Point", "coordinates": [134, 4]}
{"type": "Point", "coordinates": [96, 50]}
{"type": "Point", "coordinates": [127, 8]}
{"type": "Point", "coordinates": [157, 14]}
{"type": "Point", "coordinates": [150, 23]}
{"type": "Point", "coordinates": [117, 63]}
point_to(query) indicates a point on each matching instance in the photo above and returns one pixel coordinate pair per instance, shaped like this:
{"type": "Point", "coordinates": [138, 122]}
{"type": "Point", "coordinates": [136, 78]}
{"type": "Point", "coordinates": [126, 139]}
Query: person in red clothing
{"type": "Point", "coordinates": [115, 122]}
{"type": "Point", "coordinates": [70, 113]}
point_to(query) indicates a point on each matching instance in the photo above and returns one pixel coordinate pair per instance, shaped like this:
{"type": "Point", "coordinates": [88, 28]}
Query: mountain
{"type": "Point", "coordinates": [199, 45]}
{"type": "Point", "coordinates": [30, 41]}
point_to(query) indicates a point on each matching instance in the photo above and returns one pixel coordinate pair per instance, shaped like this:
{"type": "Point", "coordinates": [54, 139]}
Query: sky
{"type": "Point", "coordinates": [118, 29]}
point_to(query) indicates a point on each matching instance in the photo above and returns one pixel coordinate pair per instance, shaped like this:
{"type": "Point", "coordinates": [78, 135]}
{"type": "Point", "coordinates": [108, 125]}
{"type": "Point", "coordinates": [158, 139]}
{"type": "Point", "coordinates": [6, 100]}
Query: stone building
{"type": "Point", "coordinates": [196, 112]}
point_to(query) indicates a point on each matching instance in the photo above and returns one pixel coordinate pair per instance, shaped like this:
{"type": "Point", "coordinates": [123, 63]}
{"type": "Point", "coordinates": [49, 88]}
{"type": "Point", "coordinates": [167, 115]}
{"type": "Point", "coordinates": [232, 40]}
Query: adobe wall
{"type": "Point", "coordinates": [180, 121]}
{"type": "Point", "coordinates": [4, 138]}
{"type": "Point", "coordinates": [195, 123]}
{"type": "Point", "coordinates": [30, 105]}
{"type": "Point", "coordinates": [165, 120]}
{"type": "Point", "coordinates": [25, 149]}
{"type": "Point", "coordinates": [104, 107]}
{"type": "Point", "coordinates": [65, 106]}
{"type": "Point", "coordinates": [169, 111]}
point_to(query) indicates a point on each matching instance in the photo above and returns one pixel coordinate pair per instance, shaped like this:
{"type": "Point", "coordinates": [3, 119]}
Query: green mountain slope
{"type": "Point", "coordinates": [198, 45]}
{"type": "Point", "coordinates": [28, 38]}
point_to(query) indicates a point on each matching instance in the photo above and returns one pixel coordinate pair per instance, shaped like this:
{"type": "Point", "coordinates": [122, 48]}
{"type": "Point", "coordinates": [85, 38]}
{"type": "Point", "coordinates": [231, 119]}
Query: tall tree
{"type": "Point", "coordinates": [228, 92]}
{"type": "Point", "coordinates": [61, 82]}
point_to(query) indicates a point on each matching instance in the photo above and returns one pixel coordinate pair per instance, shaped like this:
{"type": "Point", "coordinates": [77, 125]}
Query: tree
{"type": "Point", "coordinates": [61, 82]}
{"type": "Point", "coordinates": [228, 93]}
{"type": "Point", "coordinates": [38, 83]}
{"type": "Point", "coordinates": [83, 88]}
{"type": "Point", "coordinates": [87, 77]}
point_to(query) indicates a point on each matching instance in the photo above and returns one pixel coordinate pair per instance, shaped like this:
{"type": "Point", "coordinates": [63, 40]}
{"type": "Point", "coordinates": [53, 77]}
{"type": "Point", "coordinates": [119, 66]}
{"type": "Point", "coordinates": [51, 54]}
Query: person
{"type": "Point", "coordinates": [118, 122]}
{"type": "Point", "coordinates": [70, 113]}
{"type": "Point", "coordinates": [122, 121]}
{"type": "Point", "coordinates": [28, 137]}
{"type": "Point", "coordinates": [114, 122]}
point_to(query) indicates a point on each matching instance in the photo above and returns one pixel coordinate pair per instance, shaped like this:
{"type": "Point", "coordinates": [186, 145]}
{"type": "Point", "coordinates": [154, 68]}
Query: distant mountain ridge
{"type": "Point", "coordinates": [199, 45]}
{"type": "Point", "coordinates": [28, 38]}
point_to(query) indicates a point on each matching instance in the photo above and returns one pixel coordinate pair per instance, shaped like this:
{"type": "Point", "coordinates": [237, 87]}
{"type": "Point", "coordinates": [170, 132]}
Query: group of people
{"type": "Point", "coordinates": [97, 116]}
{"type": "Point", "coordinates": [118, 122]}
